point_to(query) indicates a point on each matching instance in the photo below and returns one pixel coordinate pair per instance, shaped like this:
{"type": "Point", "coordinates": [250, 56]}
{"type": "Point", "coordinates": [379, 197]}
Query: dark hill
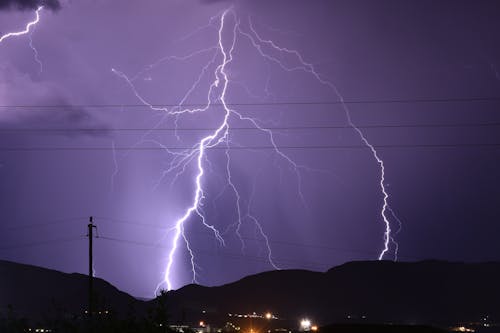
{"type": "Point", "coordinates": [423, 292]}
{"type": "Point", "coordinates": [36, 292]}
{"type": "Point", "coordinates": [428, 292]}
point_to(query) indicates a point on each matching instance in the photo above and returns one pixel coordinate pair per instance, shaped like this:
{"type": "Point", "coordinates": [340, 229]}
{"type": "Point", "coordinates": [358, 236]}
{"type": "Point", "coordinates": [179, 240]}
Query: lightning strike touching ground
{"type": "Point", "coordinates": [219, 135]}
{"type": "Point", "coordinates": [198, 153]}
{"type": "Point", "coordinates": [26, 29]}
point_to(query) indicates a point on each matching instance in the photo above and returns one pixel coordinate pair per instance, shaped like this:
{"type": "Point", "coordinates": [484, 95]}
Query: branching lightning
{"type": "Point", "coordinates": [258, 42]}
{"type": "Point", "coordinates": [35, 52]}
{"type": "Point", "coordinates": [398, 230]}
{"type": "Point", "coordinates": [221, 58]}
{"type": "Point", "coordinates": [197, 154]}
{"type": "Point", "coordinates": [26, 29]}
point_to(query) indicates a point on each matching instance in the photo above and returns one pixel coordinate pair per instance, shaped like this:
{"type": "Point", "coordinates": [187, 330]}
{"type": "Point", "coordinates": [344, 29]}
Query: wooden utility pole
{"type": "Point", "coordinates": [91, 227]}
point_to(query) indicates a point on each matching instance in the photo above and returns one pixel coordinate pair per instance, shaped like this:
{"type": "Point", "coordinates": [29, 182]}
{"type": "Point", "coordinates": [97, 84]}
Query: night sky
{"type": "Point", "coordinates": [421, 80]}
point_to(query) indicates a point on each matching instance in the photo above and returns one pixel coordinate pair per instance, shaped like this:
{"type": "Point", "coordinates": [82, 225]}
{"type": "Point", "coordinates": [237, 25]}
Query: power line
{"type": "Point", "coordinates": [287, 243]}
{"type": "Point", "coordinates": [321, 247]}
{"type": "Point", "coordinates": [206, 253]}
{"type": "Point", "coordinates": [244, 257]}
{"type": "Point", "coordinates": [39, 225]}
{"type": "Point", "coordinates": [183, 129]}
{"type": "Point", "coordinates": [205, 234]}
{"type": "Point", "coordinates": [337, 102]}
{"type": "Point", "coordinates": [32, 244]}
{"type": "Point", "coordinates": [127, 222]}
{"type": "Point", "coordinates": [312, 147]}
{"type": "Point", "coordinates": [131, 242]}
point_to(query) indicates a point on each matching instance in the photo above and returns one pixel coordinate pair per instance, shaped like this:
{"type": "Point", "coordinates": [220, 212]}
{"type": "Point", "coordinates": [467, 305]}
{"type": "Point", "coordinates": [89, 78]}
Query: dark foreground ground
{"type": "Point", "coordinates": [376, 328]}
{"type": "Point", "coordinates": [366, 328]}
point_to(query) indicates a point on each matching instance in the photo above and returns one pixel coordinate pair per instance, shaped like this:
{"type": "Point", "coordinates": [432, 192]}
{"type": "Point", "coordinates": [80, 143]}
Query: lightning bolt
{"type": "Point", "coordinates": [216, 137]}
{"type": "Point", "coordinates": [400, 226]}
{"type": "Point", "coordinates": [258, 42]}
{"type": "Point", "coordinates": [221, 58]}
{"type": "Point", "coordinates": [35, 52]}
{"type": "Point", "coordinates": [217, 91]}
{"type": "Point", "coordinates": [258, 225]}
{"type": "Point", "coordinates": [26, 29]}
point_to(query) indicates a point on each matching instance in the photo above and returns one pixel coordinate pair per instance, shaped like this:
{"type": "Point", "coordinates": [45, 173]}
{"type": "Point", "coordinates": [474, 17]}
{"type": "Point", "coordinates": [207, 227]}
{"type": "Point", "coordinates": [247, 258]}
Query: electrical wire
{"type": "Point", "coordinates": [291, 147]}
{"type": "Point", "coordinates": [337, 102]}
{"type": "Point", "coordinates": [273, 128]}
{"type": "Point", "coordinates": [38, 243]}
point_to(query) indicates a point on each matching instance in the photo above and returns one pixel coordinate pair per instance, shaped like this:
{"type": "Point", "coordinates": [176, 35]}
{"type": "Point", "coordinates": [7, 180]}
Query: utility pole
{"type": "Point", "coordinates": [91, 227]}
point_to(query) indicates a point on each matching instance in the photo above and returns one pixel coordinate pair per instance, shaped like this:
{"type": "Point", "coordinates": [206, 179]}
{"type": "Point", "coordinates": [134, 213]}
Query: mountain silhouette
{"type": "Point", "coordinates": [35, 292]}
{"type": "Point", "coordinates": [428, 292]}
{"type": "Point", "coordinates": [433, 292]}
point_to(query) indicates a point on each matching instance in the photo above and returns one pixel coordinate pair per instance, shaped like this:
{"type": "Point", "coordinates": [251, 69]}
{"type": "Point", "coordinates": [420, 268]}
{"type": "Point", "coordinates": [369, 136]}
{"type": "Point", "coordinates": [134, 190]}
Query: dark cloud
{"type": "Point", "coordinates": [54, 108]}
{"type": "Point", "coordinates": [64, 120]}
{"type": "Point", "coordinates": [29, 4]}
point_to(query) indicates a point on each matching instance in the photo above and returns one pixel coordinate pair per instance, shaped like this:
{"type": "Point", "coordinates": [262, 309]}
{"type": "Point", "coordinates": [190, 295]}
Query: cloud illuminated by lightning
{"type": "Point", "coordinates": [26, 29]}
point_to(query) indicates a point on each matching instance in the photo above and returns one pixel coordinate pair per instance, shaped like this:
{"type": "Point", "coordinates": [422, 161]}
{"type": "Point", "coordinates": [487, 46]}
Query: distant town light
{"type": "Point", "coordinates": [269, 315]}
{"type": "Point", "coordinates": [202, 323]}
{"type": "Point", "coordinates": [305, 325]}
{"type": "Point", "coordinates": [314, 328]}
{"type": "Point", "coordinates": [463, 329]}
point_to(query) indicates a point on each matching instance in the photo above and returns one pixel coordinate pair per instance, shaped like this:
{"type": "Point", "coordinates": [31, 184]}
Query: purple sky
{"type": "Point", "coordinates": [373, 51]}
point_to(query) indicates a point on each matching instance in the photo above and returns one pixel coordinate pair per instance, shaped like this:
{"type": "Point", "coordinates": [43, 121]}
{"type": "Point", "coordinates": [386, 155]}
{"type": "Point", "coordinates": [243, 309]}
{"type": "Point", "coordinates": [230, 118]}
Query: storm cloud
{"type": "Point", "coordinates": [29, 4]}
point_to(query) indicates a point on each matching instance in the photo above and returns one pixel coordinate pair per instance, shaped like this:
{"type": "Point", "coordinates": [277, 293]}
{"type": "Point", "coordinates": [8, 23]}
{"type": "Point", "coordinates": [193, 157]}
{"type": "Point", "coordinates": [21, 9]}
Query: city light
{"type": "Point", "coordinates": [463, 329]}
{"type": "Point", "coordinates": [305, 325]}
